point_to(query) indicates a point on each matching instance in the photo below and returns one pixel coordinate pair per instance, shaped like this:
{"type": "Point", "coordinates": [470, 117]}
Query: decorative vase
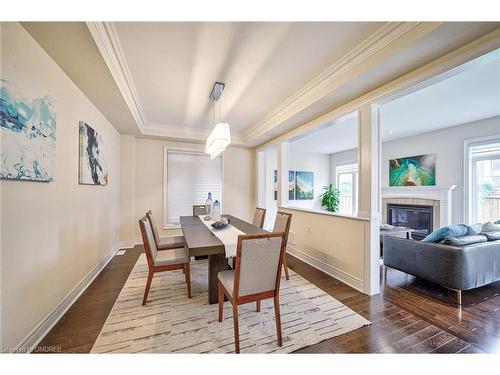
{"type": "Point", "coordinates": [208, 207]}
{"type": "Point", "coordinates": [216, 211]}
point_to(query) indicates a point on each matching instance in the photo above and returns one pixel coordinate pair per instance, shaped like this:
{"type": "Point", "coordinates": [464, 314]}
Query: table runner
{"type": "Point", "coordinates": [228, 236]}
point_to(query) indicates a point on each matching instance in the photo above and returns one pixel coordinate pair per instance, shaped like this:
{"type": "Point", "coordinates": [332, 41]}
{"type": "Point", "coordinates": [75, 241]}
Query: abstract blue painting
{"type": "Point", "coordinates": [28, 135]}
{"type": "Point", "coordinates": [304, 185]}
{"type": "Point", "coordinates": [93, 169]}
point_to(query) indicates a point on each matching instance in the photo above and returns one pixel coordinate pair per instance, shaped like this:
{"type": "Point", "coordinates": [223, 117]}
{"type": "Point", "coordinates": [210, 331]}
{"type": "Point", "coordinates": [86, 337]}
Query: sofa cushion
{"type": "Point", "coordinates": [489, 227]}
{"type": "Point", "coordinates": [473, 229]}
{"type": "Point", "coordinates": [465, 240]}
{"type": "Point", "coordinates": [446, 232]}
{"type": "Point", "coordinates": [492, 236]}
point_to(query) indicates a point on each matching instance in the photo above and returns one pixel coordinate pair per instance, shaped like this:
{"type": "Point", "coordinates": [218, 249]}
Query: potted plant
{"type": "Point", "coordinates": [330, 198]}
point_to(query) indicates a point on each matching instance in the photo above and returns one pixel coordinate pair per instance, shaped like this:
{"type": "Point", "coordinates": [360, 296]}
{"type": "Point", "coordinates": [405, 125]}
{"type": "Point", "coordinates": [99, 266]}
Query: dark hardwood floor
{"type": "Point", "coordinates": [409, 316]}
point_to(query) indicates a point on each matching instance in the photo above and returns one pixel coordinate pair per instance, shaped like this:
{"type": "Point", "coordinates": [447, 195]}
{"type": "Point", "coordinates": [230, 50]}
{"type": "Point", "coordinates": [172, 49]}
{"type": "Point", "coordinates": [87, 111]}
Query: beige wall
{"type": "Point", "coordinates": [238, 185]}
{"type": "Point", "coordinates": [54, 233]}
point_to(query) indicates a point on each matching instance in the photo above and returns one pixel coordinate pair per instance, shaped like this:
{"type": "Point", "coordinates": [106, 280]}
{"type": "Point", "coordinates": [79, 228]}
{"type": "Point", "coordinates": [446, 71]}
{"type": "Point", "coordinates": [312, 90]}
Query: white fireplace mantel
{"type": "Point", "coordinates": [443, 194]}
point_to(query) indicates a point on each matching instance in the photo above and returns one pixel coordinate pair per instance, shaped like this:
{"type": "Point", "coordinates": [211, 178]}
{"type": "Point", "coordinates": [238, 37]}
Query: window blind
{"type": "Point", "coordinates": [190, 177]}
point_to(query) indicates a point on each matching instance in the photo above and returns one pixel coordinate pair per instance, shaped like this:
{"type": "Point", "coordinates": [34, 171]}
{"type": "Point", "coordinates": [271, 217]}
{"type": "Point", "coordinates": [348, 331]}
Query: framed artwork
{"type": "Point", "coordinates": [275, 179]}
{"type": "Point", "coordinates": [28, 135]}
{"type": "Point", "coordinates": [413, 171]}
{"type": "Point", "coordinates": [291, 185]}
{"type": "Point", "coordinates": [93, 169]}
{"type": "Point", "coordinates": [304, 185]}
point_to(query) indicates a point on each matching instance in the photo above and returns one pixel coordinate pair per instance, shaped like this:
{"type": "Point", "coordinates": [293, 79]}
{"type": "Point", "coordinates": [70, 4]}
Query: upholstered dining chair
{"type": "Point", "coordinates": [259, 217]}
{"type": "Point", "coordinates": [165, 243]}
{"type": "Point", "coordinates": [256, 276]}
{"type": "Point", "coordinates": [175, 259]}
{"type": "Point", "coordinates": [282, 224]}
{"type": "Point", "coordinates": [199, 209]}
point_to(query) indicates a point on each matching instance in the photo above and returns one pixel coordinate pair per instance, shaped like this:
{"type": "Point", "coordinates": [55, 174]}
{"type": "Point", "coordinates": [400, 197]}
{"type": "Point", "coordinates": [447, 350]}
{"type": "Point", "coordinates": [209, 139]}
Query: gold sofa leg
{"type": "Point", "coordinates": [459, 297]}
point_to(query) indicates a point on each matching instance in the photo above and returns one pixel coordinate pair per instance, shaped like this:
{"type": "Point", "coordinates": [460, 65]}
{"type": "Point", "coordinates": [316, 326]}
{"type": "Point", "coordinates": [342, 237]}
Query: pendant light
{"type": "Point", "coordinates": [220, 137]}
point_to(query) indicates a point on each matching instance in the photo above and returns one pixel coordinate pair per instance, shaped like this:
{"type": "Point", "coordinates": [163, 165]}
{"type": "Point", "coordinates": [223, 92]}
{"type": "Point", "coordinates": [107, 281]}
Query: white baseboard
{"type": "Point", "coordinates": [346, 278]}
{"type": "Point", "coordinates": [49, 321]}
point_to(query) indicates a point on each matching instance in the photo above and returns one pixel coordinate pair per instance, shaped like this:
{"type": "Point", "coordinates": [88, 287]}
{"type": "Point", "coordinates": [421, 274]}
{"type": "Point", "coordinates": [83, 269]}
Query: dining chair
{"type": "Point", "coordinates": [258, 217]}
{"type": "Point", "coordinates": [282, 224]}
{"type": "Point", "coordinates": [256, 276]}
{"type": "Point", "coordinates": [175, 259]}
{"type": "Point", "coordinates": [199, 209]}
{"type": "Point", "coordinates": [164, 243]}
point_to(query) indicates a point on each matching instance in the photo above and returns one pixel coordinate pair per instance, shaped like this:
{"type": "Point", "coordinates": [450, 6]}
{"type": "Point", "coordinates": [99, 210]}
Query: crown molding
{"type": "Point", "coordinates": [387, 40]}
{"type": "Point", "coordinates": [183, 134]}
{"type": "Point", "coordinates": [108, 43]}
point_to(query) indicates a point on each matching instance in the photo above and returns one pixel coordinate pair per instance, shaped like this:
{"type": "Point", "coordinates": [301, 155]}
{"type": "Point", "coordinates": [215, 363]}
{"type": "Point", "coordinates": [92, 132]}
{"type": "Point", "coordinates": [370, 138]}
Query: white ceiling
{"type": "Point", "coordinates": [174, 65]}
{"type": "Point", "coordinates": [467, 94]}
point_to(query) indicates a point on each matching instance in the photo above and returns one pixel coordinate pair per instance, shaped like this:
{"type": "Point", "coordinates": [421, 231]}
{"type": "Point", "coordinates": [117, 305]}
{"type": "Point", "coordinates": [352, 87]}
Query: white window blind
{"type": "Point", "coordinates": [190, 177]}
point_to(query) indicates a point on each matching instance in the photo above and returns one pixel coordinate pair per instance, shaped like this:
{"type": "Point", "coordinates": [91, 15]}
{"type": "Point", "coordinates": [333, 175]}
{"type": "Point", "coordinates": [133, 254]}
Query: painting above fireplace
{"type": "Point", "coordinates": [413, 171]}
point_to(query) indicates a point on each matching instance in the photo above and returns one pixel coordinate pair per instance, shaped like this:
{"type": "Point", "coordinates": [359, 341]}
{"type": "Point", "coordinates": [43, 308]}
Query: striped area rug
{"type": "Point", "coordinates": [172, 323]}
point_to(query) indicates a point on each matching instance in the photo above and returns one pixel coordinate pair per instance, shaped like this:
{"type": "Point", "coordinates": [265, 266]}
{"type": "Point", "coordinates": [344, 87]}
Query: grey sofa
{"type": "Point", "coordinates": [454, 267]}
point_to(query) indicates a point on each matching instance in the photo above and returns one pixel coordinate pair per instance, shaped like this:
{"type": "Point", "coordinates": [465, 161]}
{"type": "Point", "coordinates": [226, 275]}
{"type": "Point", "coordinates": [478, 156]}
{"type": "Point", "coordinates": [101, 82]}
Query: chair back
{"type": "Point", "coordinates": [282, 224]}
{"type": "Point", "coordinates": [258, 263]}
{"type": "Point", "coordinates": [258, 217]}
{"type": "Point", "coordinates": [199, 209]}
{"type": "Point", "coordinates": [149, 243]}
{"type": "Point", "coordinates": [151, 220]}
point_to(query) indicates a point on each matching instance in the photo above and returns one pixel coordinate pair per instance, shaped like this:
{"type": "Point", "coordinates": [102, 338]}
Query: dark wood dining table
{"type": "Point", "coordinates": [202, 241]}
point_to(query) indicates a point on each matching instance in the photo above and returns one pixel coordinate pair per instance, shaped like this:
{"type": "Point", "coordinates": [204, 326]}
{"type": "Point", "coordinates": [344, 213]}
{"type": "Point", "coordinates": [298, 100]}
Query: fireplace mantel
{"type": "Point", "coordinates": [443, 194]}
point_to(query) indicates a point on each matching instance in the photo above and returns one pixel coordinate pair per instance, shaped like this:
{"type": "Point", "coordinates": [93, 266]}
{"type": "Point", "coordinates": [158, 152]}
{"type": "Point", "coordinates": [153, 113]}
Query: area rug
{"type": "Point", "coordinates": [172, 323]}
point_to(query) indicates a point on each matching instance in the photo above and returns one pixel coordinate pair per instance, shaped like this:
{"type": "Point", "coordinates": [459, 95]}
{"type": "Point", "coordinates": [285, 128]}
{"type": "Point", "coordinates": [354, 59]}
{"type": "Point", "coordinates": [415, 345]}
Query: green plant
{"type": "Point", "coordinates": [330, 198]}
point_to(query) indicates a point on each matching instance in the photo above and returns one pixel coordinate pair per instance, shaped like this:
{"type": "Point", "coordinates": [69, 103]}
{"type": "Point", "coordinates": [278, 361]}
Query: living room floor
{"type": "Point", "coordinates": [408, 316]}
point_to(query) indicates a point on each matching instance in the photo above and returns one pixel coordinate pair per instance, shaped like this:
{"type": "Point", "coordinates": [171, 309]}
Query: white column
{"type": "Point", "coordinates": [369, 193]}
{"type": "Point", "coordinates": [283, 163]}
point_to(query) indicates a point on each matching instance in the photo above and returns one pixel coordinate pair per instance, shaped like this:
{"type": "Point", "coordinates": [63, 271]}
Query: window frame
{"type": "Point", "coordinates": [194, 151]}
{"type": "Point", "coordinates": [468, 202]}
{"type": "Point", "coordinates": [355, 180]}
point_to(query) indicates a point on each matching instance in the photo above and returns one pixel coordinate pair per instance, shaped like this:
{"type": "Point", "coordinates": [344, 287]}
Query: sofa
{"type": "Point", "coordinates": [457, 265]}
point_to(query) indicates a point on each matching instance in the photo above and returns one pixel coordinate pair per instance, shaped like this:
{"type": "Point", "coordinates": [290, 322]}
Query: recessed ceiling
{"type": "Point", "coordinates": [467, 95]}
{"type": "Point", "coordinates": [174, 65]}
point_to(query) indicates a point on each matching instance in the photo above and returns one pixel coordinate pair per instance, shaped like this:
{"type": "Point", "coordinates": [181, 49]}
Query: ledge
{"type": "Point", "coordinates": [324, 213]}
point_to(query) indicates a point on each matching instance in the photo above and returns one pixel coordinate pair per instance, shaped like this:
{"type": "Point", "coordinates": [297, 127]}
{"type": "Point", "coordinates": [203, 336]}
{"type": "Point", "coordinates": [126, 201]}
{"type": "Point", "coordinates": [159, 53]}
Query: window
{"type": "Point", "coordinates": [347, 182]}
{"type": "Point", "coordinates": [484, 181]}
{"type": "Point", "coordinates": [190, 176]}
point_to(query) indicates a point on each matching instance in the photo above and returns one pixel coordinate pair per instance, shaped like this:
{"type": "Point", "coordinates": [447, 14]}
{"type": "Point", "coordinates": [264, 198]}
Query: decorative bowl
{"type": "Point", "coordinates": [220, 224]}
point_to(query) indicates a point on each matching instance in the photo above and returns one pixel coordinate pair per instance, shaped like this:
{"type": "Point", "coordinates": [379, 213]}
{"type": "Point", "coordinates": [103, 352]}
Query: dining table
{"type": "Point", "coordinates": [200, 241]}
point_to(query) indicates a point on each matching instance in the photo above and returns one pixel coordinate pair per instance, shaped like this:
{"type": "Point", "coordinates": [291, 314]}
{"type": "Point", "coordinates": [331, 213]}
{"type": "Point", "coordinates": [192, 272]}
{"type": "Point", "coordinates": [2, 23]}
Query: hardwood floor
{"type": "Point", "coordinates": [409, 316]}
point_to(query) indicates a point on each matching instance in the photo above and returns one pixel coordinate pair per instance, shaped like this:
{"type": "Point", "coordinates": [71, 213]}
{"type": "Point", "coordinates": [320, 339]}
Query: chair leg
{"type": "Point", "coordinates": [221, 301]}
{"type": "Point", "coordinates": [286, 267]}
{"type": "Point", "coordinates": [278, 318]}
{"type": "Point", "coordinates": [148, 284]}
{"type": "Point", "coordinates": [258, 305]}
{"type": "Point", "coordinates": [187, 275]}
{"type": "Point", "coordinates": [236, 329]}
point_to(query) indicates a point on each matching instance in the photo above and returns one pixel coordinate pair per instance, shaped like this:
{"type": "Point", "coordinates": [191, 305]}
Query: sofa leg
{"type": "Point", "coordinates": [459, 297]}
{"type": "Point", "coordinates": [385, 275]}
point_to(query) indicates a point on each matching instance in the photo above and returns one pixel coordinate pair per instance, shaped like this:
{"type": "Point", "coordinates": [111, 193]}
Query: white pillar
{"type": "Point", "coordinates": [283, 163]}
{"type": "Point", "coordinates": [369, 193]}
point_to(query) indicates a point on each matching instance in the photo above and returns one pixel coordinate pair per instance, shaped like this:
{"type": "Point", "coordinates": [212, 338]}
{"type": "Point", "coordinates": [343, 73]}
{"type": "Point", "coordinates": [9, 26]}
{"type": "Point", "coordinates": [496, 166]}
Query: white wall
{"type": "Point", "coordinates": [317, 163]}
{"type": "Point", "coordinates": [448, 145]}
{"type": "Point", "coordinates": [53, 233]}
{"type": "Point", "coordinates": [239, 197]}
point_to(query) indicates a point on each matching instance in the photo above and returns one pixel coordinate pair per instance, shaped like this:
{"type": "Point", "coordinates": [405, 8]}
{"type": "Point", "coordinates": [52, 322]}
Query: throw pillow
{"type": "Point", "coordinates": [497, 222]}
{"type": "Point", "coordinates": [492, 236]}
{"type": "Point", "coordinates": [465, 240]}
{"type": "Point", "coordinates": [446, 232]}
{"type": "Point", "coordinates": [473, 229]}
{"type": "Point", "coordinates": [489, 227]}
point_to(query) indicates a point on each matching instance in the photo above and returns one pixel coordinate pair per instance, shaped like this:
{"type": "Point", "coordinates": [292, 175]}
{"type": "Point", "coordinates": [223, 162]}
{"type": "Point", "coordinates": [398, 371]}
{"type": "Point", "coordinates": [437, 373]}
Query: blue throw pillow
{"type": "Point", "coordinates": [473, 229]}
{"type": "Point", "coordinates": [446, 232]}
{"type": "Point", "coordinates": [497, 222]}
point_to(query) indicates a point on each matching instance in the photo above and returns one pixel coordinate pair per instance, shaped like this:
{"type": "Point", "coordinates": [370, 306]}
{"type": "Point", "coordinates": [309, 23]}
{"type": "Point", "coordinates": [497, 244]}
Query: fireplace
{"type": "Point", "coordinates": [418, 217]}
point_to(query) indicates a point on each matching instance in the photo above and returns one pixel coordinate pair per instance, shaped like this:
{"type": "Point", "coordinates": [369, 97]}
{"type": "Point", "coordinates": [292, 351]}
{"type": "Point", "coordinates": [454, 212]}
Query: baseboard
{"type": "Point", "coordinates": [49, 321]}
{"type": "Point", "coordinates": [350, 280]}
